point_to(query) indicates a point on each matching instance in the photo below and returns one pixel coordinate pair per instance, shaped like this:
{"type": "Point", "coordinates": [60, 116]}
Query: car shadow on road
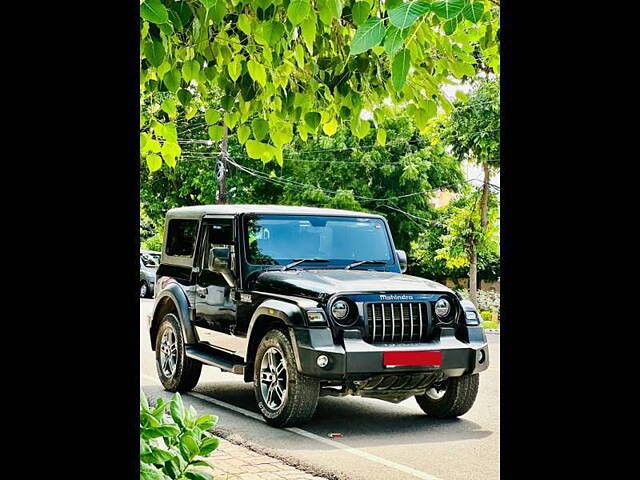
{"type": "Point", "coordinates": [363, 422]}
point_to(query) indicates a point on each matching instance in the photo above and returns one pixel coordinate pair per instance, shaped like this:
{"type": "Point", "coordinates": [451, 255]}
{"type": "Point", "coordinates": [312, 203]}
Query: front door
{"type": "Point", "coordinates": [215, 303]}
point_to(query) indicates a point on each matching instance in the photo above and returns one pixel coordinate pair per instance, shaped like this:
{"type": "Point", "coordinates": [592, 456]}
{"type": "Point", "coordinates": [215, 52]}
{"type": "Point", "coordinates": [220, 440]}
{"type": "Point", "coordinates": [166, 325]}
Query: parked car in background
{"type": "Point", "coordinates": [149, 261]}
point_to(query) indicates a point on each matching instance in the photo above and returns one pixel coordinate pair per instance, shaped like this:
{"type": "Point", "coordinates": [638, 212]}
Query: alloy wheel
{"type": "Point", "coordinates": [273, 378]}
{"type": "Point", "coordinates": [168, 353]}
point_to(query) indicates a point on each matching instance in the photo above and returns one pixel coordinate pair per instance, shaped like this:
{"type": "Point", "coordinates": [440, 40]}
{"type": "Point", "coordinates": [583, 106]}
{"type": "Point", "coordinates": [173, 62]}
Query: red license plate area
{"type": "Point", "coordinates": [412, 359]}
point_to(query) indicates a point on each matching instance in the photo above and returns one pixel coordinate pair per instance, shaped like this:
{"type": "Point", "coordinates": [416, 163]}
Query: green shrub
{"type": "Point", "coordinates": [171, 445]}
{"type": "Point", "coordinates": [486, 316]}
{"type": "Point", "coordinates": [153, 243]}
{"type": "Point", "coordinates": [491, 325]}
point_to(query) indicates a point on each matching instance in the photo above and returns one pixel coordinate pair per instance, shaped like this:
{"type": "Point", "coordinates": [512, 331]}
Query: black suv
{"type": "Point", "coordinates": [306, 302]}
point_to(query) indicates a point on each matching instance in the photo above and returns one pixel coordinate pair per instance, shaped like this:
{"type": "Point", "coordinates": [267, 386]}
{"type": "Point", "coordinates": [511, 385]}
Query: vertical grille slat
{"type": "Point", "coordinates": [412, 326]}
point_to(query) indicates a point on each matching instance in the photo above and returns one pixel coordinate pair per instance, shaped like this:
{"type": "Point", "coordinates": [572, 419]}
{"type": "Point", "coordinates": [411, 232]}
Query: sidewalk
{"type": "Point", "coordinates": [235, 462]}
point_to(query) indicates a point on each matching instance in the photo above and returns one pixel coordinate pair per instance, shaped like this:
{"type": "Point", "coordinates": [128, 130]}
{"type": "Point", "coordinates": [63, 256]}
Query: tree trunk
{"type": "Point", "coordinates": [473, 275]}
{"type": "Point", "coordinates": [484, 206]}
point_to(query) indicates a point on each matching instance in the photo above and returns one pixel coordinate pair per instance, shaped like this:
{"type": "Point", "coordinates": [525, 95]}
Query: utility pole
{"type": "Point", "coordinates": [221, 169]}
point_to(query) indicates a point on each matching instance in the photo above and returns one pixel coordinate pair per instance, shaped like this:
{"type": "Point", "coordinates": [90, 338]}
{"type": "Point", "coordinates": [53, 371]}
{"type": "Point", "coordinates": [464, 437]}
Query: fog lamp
{"type": "Point", "coordinates": [316, 317]}
{"type": "Point", "coordinates": [322, 361]}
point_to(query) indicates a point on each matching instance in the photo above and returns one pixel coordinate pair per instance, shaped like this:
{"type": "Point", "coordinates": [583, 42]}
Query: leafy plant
{"type": "Point", "coordinates": [486, 315]}
{"type": "Point", "coordinates": [301, 66]}
{"type": "Point", "coordinates": [171, 446]}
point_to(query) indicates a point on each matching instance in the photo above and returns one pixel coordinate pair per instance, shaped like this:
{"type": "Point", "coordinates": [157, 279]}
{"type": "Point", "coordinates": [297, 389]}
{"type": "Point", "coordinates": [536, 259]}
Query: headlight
{"type": "Point", "coordinates": [442, 307]}
{"type": "Point", "coordinates": [340, 310]}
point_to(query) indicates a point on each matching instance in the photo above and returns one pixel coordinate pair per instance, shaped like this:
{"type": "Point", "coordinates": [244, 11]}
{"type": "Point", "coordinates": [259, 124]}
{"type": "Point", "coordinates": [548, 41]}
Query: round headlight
{"type": "Point", "coordinates": [340, 310]}
{"type": "Point", "coordinates": [442, 307]}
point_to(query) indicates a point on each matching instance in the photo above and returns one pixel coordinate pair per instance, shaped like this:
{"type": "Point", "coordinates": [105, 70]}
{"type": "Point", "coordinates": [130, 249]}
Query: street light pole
{"type": "Point", "coordinates": [221, 169]}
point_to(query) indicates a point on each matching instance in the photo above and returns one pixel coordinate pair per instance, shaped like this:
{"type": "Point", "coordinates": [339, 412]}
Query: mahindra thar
{"type": "Point", "coordinates": [306, 302]}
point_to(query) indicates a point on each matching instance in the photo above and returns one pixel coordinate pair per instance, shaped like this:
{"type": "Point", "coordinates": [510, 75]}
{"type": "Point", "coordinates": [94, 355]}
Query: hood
{"type": "Point", "coordinates": [315, 283]}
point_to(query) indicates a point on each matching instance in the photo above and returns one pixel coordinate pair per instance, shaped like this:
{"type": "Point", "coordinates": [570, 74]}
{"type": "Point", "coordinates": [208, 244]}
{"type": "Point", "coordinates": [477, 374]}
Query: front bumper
{"type": "Point", "coordinates": [357, 359]}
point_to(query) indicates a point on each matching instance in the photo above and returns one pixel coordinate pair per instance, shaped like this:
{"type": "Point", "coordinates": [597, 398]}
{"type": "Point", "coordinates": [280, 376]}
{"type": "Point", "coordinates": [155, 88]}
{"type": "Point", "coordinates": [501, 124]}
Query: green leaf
{"type": "Point", "coordinates": [190, 70]}
{"type": "Point", "coordinates": [154, 53]}
{"type": "Point", "coordinates": [154, 162]}
{"type": "Point", "coordinates": [360, 128]}
{"type": "Point", "coordinates": [149, 472]}
{"type": "Point", "coordinates": [208, 3]}
{"type": "Point", "coordinates": [328, 10]}
{"type": "Point", "coordinates": [394, 39]}
{"type": "Point", "coordinates": [473, 11]}
{"type": "Point", "coordinates": [212, 116]}
{"type": "Point", "coordinates": [171, 80]}
{"type": "Point", "coordinates": [243, 134]}
{"type": "Point", "coordinates": [360, 12]}
{"type": "Point", "coordinates": [154, 12]}
{"type": "Point", "coordinates": [169, 107]}
{"type": "Point", "coordinates": [184, 97]}
{"type": "Point", "coordinates": [255, 149]}
{"type": "Point", "coordinates": [156, 455]}
{"type": "Point", "coordinates": [368, 35]}
{"type": "Point", "coordinates": [450, 26]}
{"type": "Point", "coordinates": [193, 475]}
{"type": "Point", "coordinates": [171, 150]}
{"type": "Point", "coordinates": [381, 136]}
{"type": "Point", "coordinates": [244, 24]}
{"type": "Point", "coordinates": [447, 8]}
{"type": "Point", "coordinates": [330, 127]}
{"type": "Point", "coordinates": [235, 68]}
{"type": "Point", "coordinates": [406, 14]}
{"type": "Point", "coordinates": [298, 11]}
{"type": "Point", "coordinates": [176, 408]}
{"type": "Point", "coordinates": [209, 445]}
{"type": "Point", "coordinates": [309, 31]}
{"type": "Point", "coordinates": [216, 132]}
{"type": "Point", "coordinates": [257, 72]}
{"type": "Point", "coordinates": [400, 69]}
{"type": "Point", "coordinates": [260, 128]}
{"type": "Point", "coordinates": [272, 32]}
{"type": "Point", "coordinates": [281, 133]}
{"type": "Point", "coordinates": [165, 431]}
{"type": "Point", "coordinates": [312, 119]}
{"type": "Point", "coordinates": [217, 11]}
{"type": "Point", "coordinates": [188, 447]}
{"type": "Point", "coordinates": [230, 119]}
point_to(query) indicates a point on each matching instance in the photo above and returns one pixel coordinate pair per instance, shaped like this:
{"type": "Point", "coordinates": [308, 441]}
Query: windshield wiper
{"type": "Point", "coordinates": [298, 261]}
{"type": "Point", "coordinates": [364, 262]}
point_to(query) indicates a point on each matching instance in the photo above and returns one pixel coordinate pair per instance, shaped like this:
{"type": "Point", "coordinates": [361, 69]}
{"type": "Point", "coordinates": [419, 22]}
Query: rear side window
{"type": "Point", "coordinates": [181, 238]}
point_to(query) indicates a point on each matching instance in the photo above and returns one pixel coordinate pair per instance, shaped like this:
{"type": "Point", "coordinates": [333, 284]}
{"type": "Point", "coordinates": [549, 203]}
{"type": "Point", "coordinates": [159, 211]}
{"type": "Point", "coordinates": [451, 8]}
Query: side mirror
{"type": "Point", "coordinates": [402, 258]}
{"type": "Point", "coordinates": [218, 261]}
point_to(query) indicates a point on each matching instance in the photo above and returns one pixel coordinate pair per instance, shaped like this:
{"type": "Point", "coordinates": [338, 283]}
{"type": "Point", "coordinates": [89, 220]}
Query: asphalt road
{"type": "Point", "coordinates": [380, 440]}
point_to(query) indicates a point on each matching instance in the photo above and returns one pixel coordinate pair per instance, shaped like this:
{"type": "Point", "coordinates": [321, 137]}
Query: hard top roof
{"type": "Point", "coordinates": [198, 211]}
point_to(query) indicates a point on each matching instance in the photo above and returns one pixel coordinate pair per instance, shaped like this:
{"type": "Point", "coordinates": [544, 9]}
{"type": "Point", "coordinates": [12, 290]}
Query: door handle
{"type": "Point", "coordinates": [202, 291]}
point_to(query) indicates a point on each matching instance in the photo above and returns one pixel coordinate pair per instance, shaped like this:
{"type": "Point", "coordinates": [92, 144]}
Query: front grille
{"type": "Point", "coordinates": [398, 322]}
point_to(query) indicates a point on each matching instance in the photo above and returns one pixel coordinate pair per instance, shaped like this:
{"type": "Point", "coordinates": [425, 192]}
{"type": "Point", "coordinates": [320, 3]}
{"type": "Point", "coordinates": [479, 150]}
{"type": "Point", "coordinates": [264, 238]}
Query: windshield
{"type": "Point", "coordinates": [279, 240]}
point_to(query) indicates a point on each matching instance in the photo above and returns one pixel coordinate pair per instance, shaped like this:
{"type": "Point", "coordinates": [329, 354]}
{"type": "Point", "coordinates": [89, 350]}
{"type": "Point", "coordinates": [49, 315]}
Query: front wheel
{"type": "Point", "coordinates": [285, 397]}
{"type": "Point", "coordinates": [177, 372]}
{"type": "Point", "coordinates": [451, 397]}
{"type": "Point", "coordinates": [144, 289]}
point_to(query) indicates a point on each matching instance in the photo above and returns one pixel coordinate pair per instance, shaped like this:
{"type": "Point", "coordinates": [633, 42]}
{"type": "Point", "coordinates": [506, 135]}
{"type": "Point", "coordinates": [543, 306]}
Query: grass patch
{"type": "Point", "coordinates": [490, 324]}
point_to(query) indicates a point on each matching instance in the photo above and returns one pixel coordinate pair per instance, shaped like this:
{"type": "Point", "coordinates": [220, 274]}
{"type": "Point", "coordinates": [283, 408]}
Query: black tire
{"type": "Point", "coordinates": [457, 400]}
{"type": "Point", "coordinates": [144, 289]}
{"type": "Point", "coordinates": [187, 370]}
{"type": "Point", "coordinates": [302, 392]}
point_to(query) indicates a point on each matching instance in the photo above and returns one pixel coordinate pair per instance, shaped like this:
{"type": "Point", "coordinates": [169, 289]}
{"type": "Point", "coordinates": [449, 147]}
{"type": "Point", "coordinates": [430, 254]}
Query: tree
{"type": "Point", "coordinates": [301, 67]}
{"type": "Point", "coordinates": [474, 134]}
{"type": "Point", "coordinates": [338, 171]}
{"type": "Point", "coordinates": [466, 238]}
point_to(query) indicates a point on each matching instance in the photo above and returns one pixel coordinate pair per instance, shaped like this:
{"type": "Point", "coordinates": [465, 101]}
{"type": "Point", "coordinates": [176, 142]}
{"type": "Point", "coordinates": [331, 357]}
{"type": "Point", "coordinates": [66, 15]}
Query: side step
{"type": "Point", "coordinates": [209, 356]}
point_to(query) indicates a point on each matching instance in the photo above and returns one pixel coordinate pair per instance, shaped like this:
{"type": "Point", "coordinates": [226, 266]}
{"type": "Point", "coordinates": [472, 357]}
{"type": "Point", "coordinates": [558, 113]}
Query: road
{"type": "Point", "coordinates": [380, 441]}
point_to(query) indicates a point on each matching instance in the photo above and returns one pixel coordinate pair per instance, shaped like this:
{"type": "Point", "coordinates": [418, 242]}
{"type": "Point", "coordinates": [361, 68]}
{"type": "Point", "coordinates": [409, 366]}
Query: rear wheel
{"type": "Point", "coordinates": [177, 372]}
{"type": "Point", "coordinates": [451, 397]}
{"type": "Point", "coordinates": [285, 397]}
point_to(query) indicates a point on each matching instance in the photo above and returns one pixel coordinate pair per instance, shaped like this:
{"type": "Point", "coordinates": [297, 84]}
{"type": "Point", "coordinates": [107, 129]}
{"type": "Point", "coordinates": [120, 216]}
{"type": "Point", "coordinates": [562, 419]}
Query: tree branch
{"type": "Point", "coordinates": [494, 2]}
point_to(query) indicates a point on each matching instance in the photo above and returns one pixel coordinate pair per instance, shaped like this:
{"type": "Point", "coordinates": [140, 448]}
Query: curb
{"type": "Point", "coordinates": [494, 331]}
